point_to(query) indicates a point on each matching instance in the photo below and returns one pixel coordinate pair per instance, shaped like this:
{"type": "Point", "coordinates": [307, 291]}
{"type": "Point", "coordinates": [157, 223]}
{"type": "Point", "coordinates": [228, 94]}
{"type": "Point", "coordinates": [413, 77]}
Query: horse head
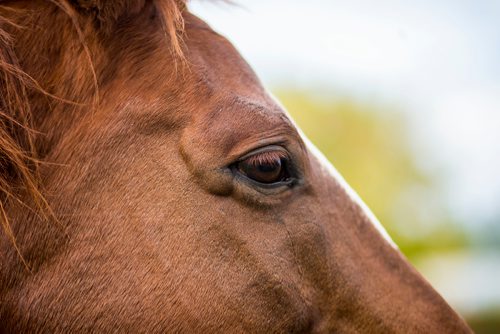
{"type": "Point", "coordinates": [151, 184]}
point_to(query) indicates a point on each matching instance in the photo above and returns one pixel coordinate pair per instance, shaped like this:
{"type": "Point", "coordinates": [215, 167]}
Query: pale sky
{"type": "Point", "coordinates": [438, 61]}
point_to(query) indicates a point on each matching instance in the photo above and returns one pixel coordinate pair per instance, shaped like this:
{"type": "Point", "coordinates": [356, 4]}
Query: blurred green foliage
{"type": "Point", "coordinates": [487, 322]}
{"type": "Point", "coordinates": [371, 148]}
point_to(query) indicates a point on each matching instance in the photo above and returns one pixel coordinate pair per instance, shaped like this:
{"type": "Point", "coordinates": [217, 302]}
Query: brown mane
{"type": "Point", "coordinates": [19, 156]}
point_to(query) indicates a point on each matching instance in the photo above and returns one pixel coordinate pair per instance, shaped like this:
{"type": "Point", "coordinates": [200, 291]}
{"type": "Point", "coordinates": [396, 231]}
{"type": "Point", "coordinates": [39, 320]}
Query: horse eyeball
{"type": "Point", "coordinates": [265, 167]}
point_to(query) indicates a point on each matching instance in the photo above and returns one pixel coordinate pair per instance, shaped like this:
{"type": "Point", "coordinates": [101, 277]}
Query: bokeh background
{"type": "Point", "coordinates": [404, 99]}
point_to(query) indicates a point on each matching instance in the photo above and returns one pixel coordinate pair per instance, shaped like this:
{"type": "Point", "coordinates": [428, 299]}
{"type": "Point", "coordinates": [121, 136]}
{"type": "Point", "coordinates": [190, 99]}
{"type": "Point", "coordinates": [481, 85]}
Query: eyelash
{"type": "Point", "coordinates": [267, 157]}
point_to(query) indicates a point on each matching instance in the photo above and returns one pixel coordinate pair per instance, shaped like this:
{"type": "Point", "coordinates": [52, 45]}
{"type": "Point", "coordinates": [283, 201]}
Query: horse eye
{"type": "Point", "coordinates": [265, 167]}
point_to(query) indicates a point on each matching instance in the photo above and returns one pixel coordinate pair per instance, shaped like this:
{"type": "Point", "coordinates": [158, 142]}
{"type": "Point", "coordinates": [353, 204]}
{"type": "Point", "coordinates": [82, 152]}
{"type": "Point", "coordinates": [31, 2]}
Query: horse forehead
{"type": "Point", "coordinates": [216, 64]}
{"type": "Point", "coordinates": [229, 97]}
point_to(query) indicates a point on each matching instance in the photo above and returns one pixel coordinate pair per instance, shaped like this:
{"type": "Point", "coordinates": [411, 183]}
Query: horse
{"type": "Point", "coordinates": [149, 183]}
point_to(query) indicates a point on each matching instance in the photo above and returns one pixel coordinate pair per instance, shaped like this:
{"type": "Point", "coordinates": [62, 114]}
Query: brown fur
{"type": "Point", "coordinates": [18, 154]}
{"type": "Point", "coordinates": [125, 115]}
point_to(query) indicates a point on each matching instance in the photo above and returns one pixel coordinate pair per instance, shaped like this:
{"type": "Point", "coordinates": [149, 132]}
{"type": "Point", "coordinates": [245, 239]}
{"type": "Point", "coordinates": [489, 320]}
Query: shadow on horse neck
{"type": "Point", "coordinates": [150, 184]}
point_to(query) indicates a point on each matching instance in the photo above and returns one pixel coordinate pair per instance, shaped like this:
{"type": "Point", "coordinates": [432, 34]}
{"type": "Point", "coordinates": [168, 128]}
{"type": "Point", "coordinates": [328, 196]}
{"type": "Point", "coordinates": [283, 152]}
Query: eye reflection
{"type": "Point", "coordinates": [265, 167]}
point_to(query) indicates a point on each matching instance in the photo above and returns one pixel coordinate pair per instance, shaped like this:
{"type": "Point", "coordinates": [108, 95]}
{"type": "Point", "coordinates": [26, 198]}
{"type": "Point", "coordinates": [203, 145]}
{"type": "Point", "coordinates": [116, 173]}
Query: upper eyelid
{"type": "Point", "coordinates": [267, 156]}
{"type": "Point", "coordinates": [269, 148]}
